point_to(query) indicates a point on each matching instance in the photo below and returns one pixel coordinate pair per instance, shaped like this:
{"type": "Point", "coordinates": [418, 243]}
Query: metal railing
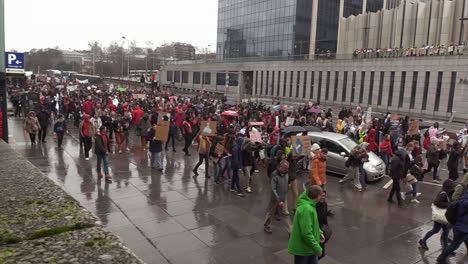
{"type": "Point", "coordinates": [361, 54]}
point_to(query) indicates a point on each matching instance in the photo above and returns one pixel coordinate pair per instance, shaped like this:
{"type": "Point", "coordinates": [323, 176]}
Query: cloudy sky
{"type": "Point", "coordinates": [72, 24]}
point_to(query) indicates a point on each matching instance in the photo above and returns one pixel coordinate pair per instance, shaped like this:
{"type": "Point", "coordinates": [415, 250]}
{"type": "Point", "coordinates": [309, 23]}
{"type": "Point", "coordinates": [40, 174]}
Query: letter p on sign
{"type": "Point", "coordinates": [11, 58]}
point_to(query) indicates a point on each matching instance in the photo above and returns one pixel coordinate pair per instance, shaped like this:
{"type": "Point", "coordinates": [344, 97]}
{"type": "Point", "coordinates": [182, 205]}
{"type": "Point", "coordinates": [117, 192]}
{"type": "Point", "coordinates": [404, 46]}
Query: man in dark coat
{"type": "Point", "coordinates": [155, 147]}
{"type": "Point", "coordinates": [44, 119]}
{"type": "Point", "coordinates": [101, 149]}
{"type": "Point", "coordinates": [397, 170]}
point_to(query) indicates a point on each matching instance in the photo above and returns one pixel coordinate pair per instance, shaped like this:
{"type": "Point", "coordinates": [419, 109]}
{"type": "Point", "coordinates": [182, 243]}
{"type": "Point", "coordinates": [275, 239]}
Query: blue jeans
{"type": "Point", "coordinates": [305, 259]}
{"type": "Point", "coordinates": [235, 181]}
{"type": "Point", "coordinates": [217, 170]}
{"type": "Point", "coordinates": [414, 191]}
{"type": "Point", "coordinates": [458, 239]}
{"type": "Point", "coordinates": [435, 230]}
{"type": "Point", "coordinates": [156, 156]}
{"type": "Point", "coordinates": [386, 159]}
{"type": "Point", "coordinates": [227, 166]}
{"type": "Point", "coordinates": [102, 159]}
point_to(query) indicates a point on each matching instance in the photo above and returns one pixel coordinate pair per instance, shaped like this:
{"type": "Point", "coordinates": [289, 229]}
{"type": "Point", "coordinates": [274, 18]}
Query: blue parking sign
{"type": "Point", "coordinates": [14, 60]}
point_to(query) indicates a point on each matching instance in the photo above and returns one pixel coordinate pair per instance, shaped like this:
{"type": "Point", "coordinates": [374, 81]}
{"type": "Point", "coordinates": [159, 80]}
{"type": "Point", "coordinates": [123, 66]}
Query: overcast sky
{"type": "Point", "coordinates": [72, 24]}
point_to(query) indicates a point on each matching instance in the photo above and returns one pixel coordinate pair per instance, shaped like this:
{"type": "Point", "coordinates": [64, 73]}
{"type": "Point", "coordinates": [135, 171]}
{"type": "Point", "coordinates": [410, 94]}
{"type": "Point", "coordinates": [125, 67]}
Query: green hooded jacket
{"type": "Point", "coordinates": [460, 188]}
{"type": "Point", "coordinates": [305, 235]}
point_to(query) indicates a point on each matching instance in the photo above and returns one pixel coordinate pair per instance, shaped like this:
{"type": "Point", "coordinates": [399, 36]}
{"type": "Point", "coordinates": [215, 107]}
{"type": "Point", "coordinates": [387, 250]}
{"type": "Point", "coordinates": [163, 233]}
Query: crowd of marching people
{"type": "Point", "coordinates": [108, 120]}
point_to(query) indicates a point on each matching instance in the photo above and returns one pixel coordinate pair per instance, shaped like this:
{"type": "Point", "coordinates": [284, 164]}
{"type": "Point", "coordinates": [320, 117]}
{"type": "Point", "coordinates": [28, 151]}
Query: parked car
{"type": "Point", "coordinates": [339, 146]}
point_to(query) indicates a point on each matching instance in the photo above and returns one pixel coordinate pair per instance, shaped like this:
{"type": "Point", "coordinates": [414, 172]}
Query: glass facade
{"type": "Point", "coordinates": [327, 26]}
{"type": "Point", "coordinates": [352, 8]}
{"type": "Point", "coordinates": [250, 28]}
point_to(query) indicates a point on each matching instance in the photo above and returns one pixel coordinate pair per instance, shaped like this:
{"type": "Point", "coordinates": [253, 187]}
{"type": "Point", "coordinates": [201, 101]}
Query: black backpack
{"type": "Point", "coordinates": [452, 212]}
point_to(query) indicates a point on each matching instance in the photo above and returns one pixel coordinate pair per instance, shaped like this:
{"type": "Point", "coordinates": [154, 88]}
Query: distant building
{"type": "Point", "coordinates": [176, 51]}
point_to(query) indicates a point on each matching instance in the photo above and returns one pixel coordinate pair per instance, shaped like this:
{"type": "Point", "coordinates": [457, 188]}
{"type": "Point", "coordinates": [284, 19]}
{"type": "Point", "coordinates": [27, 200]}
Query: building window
{"type": "Point", "coordinates": [272, 83]}
{"type": "Point", "coordinates": [285, 83]}
{"type": "Point", "coordinates": [413, 90]}
{"type": "Point", "coordinates": [453, 80]}
{"type": "Point", "coordinates": [335, 90]}
{"type": "Point", "coordinates": [169, 76]}
{"type": "Point", "coordinates": [381, 82]}
{"type": "Point", "coordinates": [261, 82]}
{"type": "Point", "coordinates": [438, 91]}
{"type": "Point", "coordinates": [361, 90]}
{"type": "Point", "coordinates": [426, 90]}
{"type": "Point", "coordinates": [312, 80]}
{"type": "Point", "coordinates": [345, 84]}
{"type": "Point", "coordinates": [256, 82]}
{"type": "Point", "coordinates": [371, 88]}
{"type": "Point", "coordinates": [304, 86]}
{"type": "Point", "coordinates": [220, 78]}
{"type": "Point", "coordinates": [402, 89]}
{"type": "Point", "coordinates": [319, 92]}
{"type": "Point", "coordinates": [353, 87]}
{"type": "Point", "coordinates": [184, 77]}
{"type": "Point", "coordinates": [279, 84]}
{"type": "Point", "coordinates": [267, 82]}
{"type": "Point", "coordinates": [233, 79]}
{"type": "Point", "coordinates": [327, 86]}
{"type": "Point", "coordinates": [291, 83]}
{"type": "Point", "coordinates": [207, 78]}
{"type": "Point", "coordinates": [298, 81]}
{"type": "Point", "coordinates": [177, 76]}
{"type": "Point", "coordinates": [196, 78]}
{"type": "Point", "coordinates": [390, 89]}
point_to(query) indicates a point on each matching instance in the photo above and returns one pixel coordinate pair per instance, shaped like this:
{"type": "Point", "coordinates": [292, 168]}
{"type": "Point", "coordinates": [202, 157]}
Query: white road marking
{"type": "Point", "coordinates": [390, 182]}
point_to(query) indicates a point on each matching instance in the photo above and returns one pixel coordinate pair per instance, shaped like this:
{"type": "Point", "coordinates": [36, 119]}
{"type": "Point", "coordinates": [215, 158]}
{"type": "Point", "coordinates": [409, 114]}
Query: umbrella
{"type": "Point", "coordinates": [230, 103]}
{"type": "Point", "coordinates": [280, 107]}
{"type": "Point", "coordinates": [315, 110]}
{"type": "Point", "coordinates": [293, 129]}
{"type": "Point", "coordinates": [312, 129]}
{"type": "Point", "coordinates": [122, 89]}
{"type": "Point", "coordinates": [230, 113]}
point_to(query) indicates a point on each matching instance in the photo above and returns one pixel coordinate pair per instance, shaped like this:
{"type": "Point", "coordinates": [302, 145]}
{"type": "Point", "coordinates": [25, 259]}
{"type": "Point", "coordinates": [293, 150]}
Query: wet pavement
{"type": "Point", "coordinates": [172, 217]}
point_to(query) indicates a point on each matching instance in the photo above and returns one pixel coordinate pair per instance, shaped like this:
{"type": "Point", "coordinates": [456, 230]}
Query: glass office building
{"type": "Point", "coordinates": [272, 28]}
{"type": "Point", "coordinates": [253, 28]}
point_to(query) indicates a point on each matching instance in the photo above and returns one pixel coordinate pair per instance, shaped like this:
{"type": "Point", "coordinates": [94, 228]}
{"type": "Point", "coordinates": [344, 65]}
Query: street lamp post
{"type": "Point", "coordinates": [128, 61]}
{"type": "Point", "coordinates": [3, 90]}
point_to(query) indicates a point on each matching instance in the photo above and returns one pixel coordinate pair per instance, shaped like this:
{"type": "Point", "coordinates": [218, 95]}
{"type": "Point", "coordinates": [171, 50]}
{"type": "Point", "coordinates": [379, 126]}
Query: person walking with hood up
{"type": "Point", "coordinates": [236, 165]}
{"type": "Point", "coordinates": [371, 139]}
{"type": "Point", "coordinates": [319, 169]}
{"type": "Point", "coordinates": [31, 126]}
{"type": "Point", "coordinates": [86, 129]}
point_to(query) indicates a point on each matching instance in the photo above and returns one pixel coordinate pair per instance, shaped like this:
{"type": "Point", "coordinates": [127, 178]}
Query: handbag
{"type": "Point", "coordinates": [411, 179]}
{"type": "Point", "coordinates": [438, 215]}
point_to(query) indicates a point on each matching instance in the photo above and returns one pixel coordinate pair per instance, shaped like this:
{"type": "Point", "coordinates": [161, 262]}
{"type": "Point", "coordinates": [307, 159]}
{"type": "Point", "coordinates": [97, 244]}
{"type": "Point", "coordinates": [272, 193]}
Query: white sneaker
{"type": "Point", "coordinates": [86, 158]}
{"type": "Point", "coordinates": [403, 196]}
{"type": "Point", "coordinates": [415, 201]}
{"type": "Point", "coordinates": [248, 190]}
{"type": "Point", "coordinates": [120, 151]}
{"type": "Point", "coordinates": [418, 194]}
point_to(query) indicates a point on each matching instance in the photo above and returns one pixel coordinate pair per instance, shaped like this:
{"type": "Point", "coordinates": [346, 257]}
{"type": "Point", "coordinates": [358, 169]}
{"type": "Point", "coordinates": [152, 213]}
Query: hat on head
{"type": "Point", "coordinates": [315, 147]}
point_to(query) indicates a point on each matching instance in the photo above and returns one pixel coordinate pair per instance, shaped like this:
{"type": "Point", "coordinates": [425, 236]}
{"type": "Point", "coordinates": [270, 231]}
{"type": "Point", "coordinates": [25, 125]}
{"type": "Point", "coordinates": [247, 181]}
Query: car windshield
{"type": "Point", "coordinates": [348, 142]}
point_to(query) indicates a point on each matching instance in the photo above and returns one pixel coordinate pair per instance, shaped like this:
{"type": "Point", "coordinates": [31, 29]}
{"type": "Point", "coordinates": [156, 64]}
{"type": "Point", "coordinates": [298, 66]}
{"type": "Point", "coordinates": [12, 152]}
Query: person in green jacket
{"type": "Point", "coordinates": [306, 234]}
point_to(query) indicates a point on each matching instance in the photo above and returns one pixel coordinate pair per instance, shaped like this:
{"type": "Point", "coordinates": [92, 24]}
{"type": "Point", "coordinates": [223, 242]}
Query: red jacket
{"type": "Point", "coordinates": [179, 119]}
{"type": "Point", "coordinates": [137, 114]}
{"type": "Point", "coordinates": [370, 138]}
{"type": "Point", "coordinates": [386, 147]}
{"type": "Point", "coordinates": [88, 107]}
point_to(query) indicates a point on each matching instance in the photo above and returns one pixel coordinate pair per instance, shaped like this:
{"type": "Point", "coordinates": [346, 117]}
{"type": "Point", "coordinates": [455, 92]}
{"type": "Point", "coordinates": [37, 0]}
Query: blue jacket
{"type": "Point", "coordinates": [236, 159]}
{"type": "Point", "coordinates": [462, 217]}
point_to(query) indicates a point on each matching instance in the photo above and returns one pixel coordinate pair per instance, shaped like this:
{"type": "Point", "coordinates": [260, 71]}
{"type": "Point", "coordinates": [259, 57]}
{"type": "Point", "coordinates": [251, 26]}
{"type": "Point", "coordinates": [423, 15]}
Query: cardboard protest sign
{"type": "Point", "coordinates": [256, 124]}
{"type": "Point", "coordinates": [301, 145]}
{"type": "Point", "coordinates": [139, 96]}
{"type": "Point", "coordinates": [162, 131]}
{"type": "Point", "coordinates": [219, 149]}
{"type": "Point", "coordinates": [208, 128]}
{"type": "Point", "coordinates": [442, 145]}
{"type": "Point", "coordinates": [289, 121]}
{"type": "Point", "coordinates": [413, 128]}
{"type": "Point", "coordinates": [255, 136]}
{"type": "Point", "coordinates": [395, 117]}
{"type": "Point", "coordinates": [452, 135]}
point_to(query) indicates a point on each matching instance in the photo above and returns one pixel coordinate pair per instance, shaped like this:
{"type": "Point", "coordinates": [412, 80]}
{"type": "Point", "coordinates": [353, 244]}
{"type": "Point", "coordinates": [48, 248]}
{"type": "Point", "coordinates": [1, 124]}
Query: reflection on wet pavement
{"type": "Point", "coordinates": [172, 217]}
